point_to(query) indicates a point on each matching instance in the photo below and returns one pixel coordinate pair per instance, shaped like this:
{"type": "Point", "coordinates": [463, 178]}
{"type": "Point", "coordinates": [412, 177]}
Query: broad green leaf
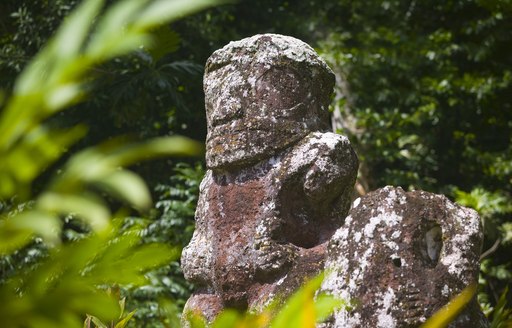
{"type": "Point", "coordinates": [125, 250]}
{"type": "Point", "coordinates": [165, 41]}
{"type": "Point", "coordinates": [164, 146]}
{"type": "Point", "coordinates": [39, 223]}
{"type": "Point", "coordinates": [11, 240]}
{"type": "Point", "coordinates": [90, 209]}
{"type": "Point", "coordinates": [8, 186]}
{"type": "Point", "coordinates": [114, 22]}
{"type": "Point", "coordinates": [64, 47]}
{"type": "Point", "coordinates": [38, 149]}
{"type": "Point", "coordinates": [94, 164]}
{"type": "Point", "coordinates": [122, 323]}
{"type": "Point", "coordinates": [63, 95]}
{"type": "Point", "coordinates": [195, 320]}
{"type": "Point", "coordinates": [127, 186]}
{"type": "Point", "coordinates": [300, 309]}
{"type": "Point", "coordinates": [119, 46]}
{"type": "Point", "coordinates": [171, 310]}
{"type": "Point", "coordinates": [19, 230]}
{"type": "Point", "coordinates": [149, 256]}
{"type": "Point", "coordinates": [71, 37]}
{"type": "Point", "coordinates": [18, 117]}
{"type": "Point", "coordinates": [228, 318]}
{"type": "Point", "coordinates": [33, 77]}
{"type": "Point", "coordinates": [325, 305]}
{"type": "Point", "coordinates": [97, 322]}
{"type": "Point", "coordinates": [161, 11]}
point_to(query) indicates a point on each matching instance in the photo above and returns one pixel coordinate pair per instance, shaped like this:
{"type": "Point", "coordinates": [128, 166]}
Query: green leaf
{"type": "Point", "coordinates": [302, 310]}
{"type": "Point", "coordinates": [97, 322]}
{"type": "Point", "coordinates": [32, 78]}
{"type": "Point", "coordinates": [149, 256]}
{"type": "Point", "coordinates": [119, 46]}
{"type": "Point", "coordinates": [228, 318]}
{"type": "Point", "coordinates": [12, 239]}
{"type": "Point", "coordinates": [325, 306]}
{"type": "Point", "coordinates": [122, 323]}
{"type": "Point", "coordinates": [89, 208]}
{"type": "Point", "coordinates": [162, 11]}
{"type": "Point", "coordinates": [63, 95]}
{"type": "Point", "coordinates": [38, 149]}
{"type": "Point", "coordinates": [114, 22]}
{"type": "Point", "coordinates": [71, 37]}
{"type": "Point", "coordinates": [127, 186]}
{"type": "Point", "coordinates": [502, 316]}
{"type": "Point", "coordinates": [39, 223]}
{"type": "Point", "coordinates": [165, 41]}
{"type": "Point", "coordinates": [164, 146]}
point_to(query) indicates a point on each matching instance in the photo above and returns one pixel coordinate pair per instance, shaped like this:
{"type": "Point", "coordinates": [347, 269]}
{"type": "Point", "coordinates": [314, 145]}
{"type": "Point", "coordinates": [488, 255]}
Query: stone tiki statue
{"type": "Point", "coordinates": [400, 257]}
{"type": "Point", "coordinates": [278, 184]}
{"type": "Point", "coordinates": [273, 203]}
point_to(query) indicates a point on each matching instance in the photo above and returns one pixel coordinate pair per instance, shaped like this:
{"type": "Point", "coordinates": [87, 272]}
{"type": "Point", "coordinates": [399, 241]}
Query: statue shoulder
{"type": "Point", "coordinates": [319, 147]}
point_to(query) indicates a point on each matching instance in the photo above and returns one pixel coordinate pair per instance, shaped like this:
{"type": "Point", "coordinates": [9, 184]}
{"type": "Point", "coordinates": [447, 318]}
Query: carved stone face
{"type": "Point", "coordinates": [401, 256]}
{"type": "Point", "coordinates": [263, 94]}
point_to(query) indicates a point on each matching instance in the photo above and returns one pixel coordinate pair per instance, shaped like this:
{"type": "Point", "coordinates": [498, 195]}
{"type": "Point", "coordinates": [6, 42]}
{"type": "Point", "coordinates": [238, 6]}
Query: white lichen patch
{"type": "Point", "coordinates": [396, 234]}
{"type": "Point", "coordinates": [357, 236]}
{"type": "Point", "coordinates": [384, 219]}
{"type": "Point", "coordinates": [455, 259]}
{"type": "Point", "coordinates": [384, 317]}
{"type": "Point", "coordinates": [458, 251]}
{"type": "Point", "coordinates": [446, 291]}
{"type": "Point", "coordinates": [390, 244]}
{"type": "Point", "coordinates": [356, 202]}
{"type": "Point", "coordinates": [330, 139]}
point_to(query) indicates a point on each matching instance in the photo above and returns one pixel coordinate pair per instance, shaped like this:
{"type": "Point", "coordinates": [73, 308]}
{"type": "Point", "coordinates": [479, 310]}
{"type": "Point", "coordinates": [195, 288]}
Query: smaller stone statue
{"type": "Point", "coordinates": [278, 184]}
{"type": "Point", "coordinates": [400, 257]}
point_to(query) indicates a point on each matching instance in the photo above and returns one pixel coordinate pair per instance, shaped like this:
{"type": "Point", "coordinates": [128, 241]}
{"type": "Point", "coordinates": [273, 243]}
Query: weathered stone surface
{"type": "Point", "coordinates": [278, 185]}
{"type": "Point", "coordinates": [263, 94]}
{"type": "Point", "coordinates": [400, 257]}
{"type": "Point", "coordinates": [273, 203]}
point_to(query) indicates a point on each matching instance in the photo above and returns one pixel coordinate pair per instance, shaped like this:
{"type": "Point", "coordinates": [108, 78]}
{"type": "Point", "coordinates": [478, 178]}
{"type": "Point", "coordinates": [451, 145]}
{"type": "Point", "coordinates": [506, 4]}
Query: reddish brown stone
{"type": "Point", "coordinates": [273, 203]}
{"type": "Point", "coordinates": [278, 185]}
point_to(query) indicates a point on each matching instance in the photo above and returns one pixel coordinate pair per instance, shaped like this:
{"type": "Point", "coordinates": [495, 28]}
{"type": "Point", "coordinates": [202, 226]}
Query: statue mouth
{"type": "Point", "coordinates": [284, 127]}
{"type": "Point", "coordinates": [238, 143]}
{"type": "Point", "coordinates": [261, 119]}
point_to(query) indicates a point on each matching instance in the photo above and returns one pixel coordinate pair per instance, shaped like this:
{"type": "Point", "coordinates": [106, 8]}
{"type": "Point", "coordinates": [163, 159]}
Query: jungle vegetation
{"type": "Point", "coordinates": [424, 92]}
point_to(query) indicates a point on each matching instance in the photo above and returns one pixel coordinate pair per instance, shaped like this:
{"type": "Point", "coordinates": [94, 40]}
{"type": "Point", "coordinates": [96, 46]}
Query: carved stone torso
{"type": "Point", "coordinates": [270, 222]}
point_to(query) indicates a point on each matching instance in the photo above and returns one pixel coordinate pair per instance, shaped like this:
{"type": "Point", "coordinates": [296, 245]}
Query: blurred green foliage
{"type": "Point", "coordinates": [160, 300]}
{"type": "Point", "coordinates": [64, 281]}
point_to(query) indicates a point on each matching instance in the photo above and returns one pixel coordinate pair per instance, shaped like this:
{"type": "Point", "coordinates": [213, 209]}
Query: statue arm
{"type": "Point", "coordinates": [333, 170]}
{"type": "Point", "coordinates": [196, 258]}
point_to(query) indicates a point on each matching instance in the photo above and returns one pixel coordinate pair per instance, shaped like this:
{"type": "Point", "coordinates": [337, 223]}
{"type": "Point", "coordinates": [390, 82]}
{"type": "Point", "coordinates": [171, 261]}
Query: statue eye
{"type": "Point", "coordinates": [431, 244]}
{"type": "Point", "coordinates": [281, 88]}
